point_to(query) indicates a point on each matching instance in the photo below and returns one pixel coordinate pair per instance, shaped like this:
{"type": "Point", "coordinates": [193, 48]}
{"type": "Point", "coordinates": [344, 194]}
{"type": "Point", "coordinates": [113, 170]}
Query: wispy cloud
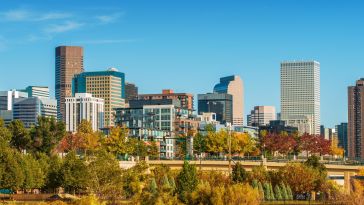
{"type": "Point", "coordinates": [109, 18]}
{"type": "Point", "coordinates": [63, 27]}
{"type": "Point", "coordinates": [108, 41]}
{"type": "Point", "coordinates": [18, 15]}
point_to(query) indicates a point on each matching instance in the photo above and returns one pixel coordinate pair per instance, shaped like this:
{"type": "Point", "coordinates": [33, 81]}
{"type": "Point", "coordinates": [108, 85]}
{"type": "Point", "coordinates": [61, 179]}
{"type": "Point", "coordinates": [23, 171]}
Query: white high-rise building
{"type": "Point", "coordinates": [261, 115]}
{"type": "Point", "coordinates": [233, 85]}
{"type": "Point", "coordinates": [300, 95]}
{"type": "Point", "coordinates": [84, 107]}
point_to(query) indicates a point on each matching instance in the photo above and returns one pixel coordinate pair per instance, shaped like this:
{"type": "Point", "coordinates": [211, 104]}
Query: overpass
{"type": "Point", "coordinates": [340, 173]}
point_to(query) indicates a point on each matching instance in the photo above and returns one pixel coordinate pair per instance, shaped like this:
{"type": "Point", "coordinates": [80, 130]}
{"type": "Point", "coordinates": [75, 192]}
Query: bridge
{"type": "Point", "coordinates": [340, 173]}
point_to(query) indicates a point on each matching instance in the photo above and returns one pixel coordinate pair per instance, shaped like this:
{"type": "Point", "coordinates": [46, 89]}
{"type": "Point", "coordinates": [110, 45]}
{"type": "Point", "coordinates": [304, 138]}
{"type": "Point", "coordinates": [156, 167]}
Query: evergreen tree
{"type": "Point", "coordinates": [166, 186]}
{"type": "Point", "coordinates": [271, 192]}
{"type": "Point", "coordinates": [267, 194]}
{"type": "Point", "coordinates": [186, 181]}
{"type": "Point", "coordinates": [255, 183]}
{"type": "Point", "coordinates": [278, 193]}
{"type": "Point", "coordinates": [284, 192]}
{"type": "Point", "coordinates": [289, 192]}
{"type": "Point", "coordinates": [240, 175]}
{"type": "Point", "coordinates": [173, 184]}
{"type": "Point", "coordinates": [261, 190]}
{"type": "Point", "coordinates": [153, 188]}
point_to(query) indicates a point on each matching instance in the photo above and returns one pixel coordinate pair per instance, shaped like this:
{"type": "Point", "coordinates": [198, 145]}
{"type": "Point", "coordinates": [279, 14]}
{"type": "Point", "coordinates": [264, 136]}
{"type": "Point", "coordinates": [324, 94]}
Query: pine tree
{"type": "Point", "coordinates": [186, 181]}
{"type": "Point", "coordinates": [267, 195]}
{"type": "Point", "coordinates": [153, 188]}
{"type": "Point", "coordinates": [271, 192]}
{"type": "Point", "coordinates": [284, 192]}
{"type": "Point", "coordinates": [173, 184]}
{"type": "Point", "coordinates": [289, 193]}
{"type": "Point", "coordinates": [240, 175]}
{"type": "Point", "coordinates": [278, 193]}
{"type": "Point", "coordinates": [165, 183]}
{"type": "Point", "coordinates": [261, 190]}
{"type": "Point", "coordinates": [255, 184]}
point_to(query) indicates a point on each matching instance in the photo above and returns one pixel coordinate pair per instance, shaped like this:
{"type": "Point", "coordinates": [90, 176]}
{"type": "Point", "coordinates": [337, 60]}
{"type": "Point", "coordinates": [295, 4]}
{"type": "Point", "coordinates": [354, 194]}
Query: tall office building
{"type": "Point", "coordinates": [69, 61]}
{"type": "Point", "coordinates": [342, 134]}
{"type": "Point", "coordinates": [261, 115]}
{"type": "Point", "coordinates": [219, 103]}
{"type": "Point", "coordinates": [7, 99]}
{"type": "Point", "coordinates": [84, 107]}
{"type": "Point", "coordinates": [185, 98]}
{"type": "Point", "coordinates": [300, 95]}
{"type": "Point", "coordinates": [131, 92]}
{"type": "Point", "coordinates": [108, 85]}
{"type": "Point", "coordinates": [356, 120]}
{"type": "Point", "coordinates": [28, 110]}
{"type": "Point", "coordinates": [233, 85]}
{"type": "Point", "coordinates": [37, 91]}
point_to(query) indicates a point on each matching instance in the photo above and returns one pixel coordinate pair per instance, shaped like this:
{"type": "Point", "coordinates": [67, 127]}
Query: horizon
{"type": "Point", "coordinates": [215, 39]}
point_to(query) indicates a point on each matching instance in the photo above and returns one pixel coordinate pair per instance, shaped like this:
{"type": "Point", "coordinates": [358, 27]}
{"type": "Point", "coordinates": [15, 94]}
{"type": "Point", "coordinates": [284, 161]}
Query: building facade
{"type": "Point", "coordinates": [278, 126]}
{"type": "Point", "coordinates": [233, 85]}
{"type": "Point", "coordinates": [342, 135]}
{"type": "Point", "coordinates": [261, 115]}
{"type": "Point", "coordinates": [108, 85]}
{"type": "Point", "coordinates": [28, 110]}
{"type": "Point", "coordinates": [356, 120]}
{"type": "Point", "coordinates": [131, 92]}
{"type": "Point", "coordinates": [37, 91]}
{"type": "Point", "coordinates": [300, 95]}
{"type": "Point", "coordinates": [219, 103]}
{"type": "Point", "coordinates": [7, 99]}
{"type": "Point", "coordinates": [186, 99]}
{"type": "Point", "coordinates": [69, 62]}
{"type": "Point", "coordinates": [84, 107]}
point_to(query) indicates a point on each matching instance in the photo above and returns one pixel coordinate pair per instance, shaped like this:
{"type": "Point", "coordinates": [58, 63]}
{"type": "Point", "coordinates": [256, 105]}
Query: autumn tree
{"type": "Point", "coordinates": [239, 175]}
{"type": "Point", "coordinates": [116, 142]}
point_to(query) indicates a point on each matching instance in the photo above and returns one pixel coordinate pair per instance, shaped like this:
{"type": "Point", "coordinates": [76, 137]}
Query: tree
{"type": "Point", "coordinates": [105, 176]}
{"type": "Point", "coordinates": [241, 143]}
{"type": "Point", "coordinates": [186, 181]}
{"type": "Point", "coordinates": [20, 135]}
{"type": "Point", "coordinates": [271, 192]}
{"type": "Point", "coordinates": [55, 173]}
{"type": "Point", "coordinates": [267, 192]}
{"type": "Point", "coordinates": [153, 150]}
{"type": "Point", "coordinates": [34, 178]}
{"type": "Point", "coordinates": [259, 173]}
{"type": "Point", "coordinates": [75, 174]}
{"type": "Point", "coordinates": [70, 142]}
{"type": "Point", "coordinates": [239, 175]}
{"type": "Point", "coordinates": [11, 174]}
{"type": "Point", "coordinates": [284, 192]}
{"type": "Point", "coordinates": [90, 139]}
{"type": "Point", "coordinates": [199, 144]}
{"type": "Point", "coordinates": [299, 177]}
{"type": "Point", "coordinates": [4, 132]}
{"type": "Point", "coordinates": [261, 191]}
{"type": "Point", "coordinates": [278, 193]}
{"type": "Point", "coordinates": [47, 134]}
{"type": "Point", "coordinates": [255, 183]}
{"type": "Point", "coordinates": [116, 142]}
{"type": "Point", "coordinates": [215, 142]}
{"type": "Point", "coordinates": [289, 192]}
{"type": "Point", "coordinates": [153, 188]}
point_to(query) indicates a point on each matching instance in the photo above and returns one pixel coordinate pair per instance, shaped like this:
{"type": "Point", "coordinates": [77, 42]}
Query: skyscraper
{"type": "Point", "coordinates": [219, 103]}
{"type": "Point", "coordinates": [84, 107]}
{"type": "Point", "coordinates": [233, 85]}
{"type": "Point", "coordinates": [37, 91]}
{"type": "Point", "coordinates": [131, 91]}
{"type": "Point", "coordinates": [108, 85]}
{"type": "Point", "coordinates": [356, 120]}
{"type": "Point", "coordinates": [28, 110]}
{"type": "Point", "coordinates": [69, 61]}
{"type": "Point", "coordinates": [342, 134]}
{"type": "Point", "coordinates": [261, 115]}
{"type": "Point", "coordinates": [300, 95]}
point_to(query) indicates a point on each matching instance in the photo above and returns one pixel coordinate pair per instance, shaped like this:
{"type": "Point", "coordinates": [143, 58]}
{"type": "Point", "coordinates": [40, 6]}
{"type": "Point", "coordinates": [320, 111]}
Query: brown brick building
{"type": "Point", "coordinates": [356, 120]}
{"type": "Point", "coordinates": [69, 61]}
{"type": "Point", "coordinates": [185, 98]}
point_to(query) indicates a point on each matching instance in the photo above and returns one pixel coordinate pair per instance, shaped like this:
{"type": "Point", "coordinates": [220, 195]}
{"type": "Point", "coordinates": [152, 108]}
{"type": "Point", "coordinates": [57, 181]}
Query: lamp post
{"type": "Point", "coordinates": [228, 125]}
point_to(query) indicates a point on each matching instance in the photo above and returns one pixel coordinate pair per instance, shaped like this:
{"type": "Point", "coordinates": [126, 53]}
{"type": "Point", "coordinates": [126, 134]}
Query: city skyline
{"type": "Point", "coordinates": [229, 53]}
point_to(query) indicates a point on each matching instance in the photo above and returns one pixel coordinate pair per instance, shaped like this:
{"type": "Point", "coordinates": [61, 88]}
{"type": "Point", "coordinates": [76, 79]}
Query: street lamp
{"type": "Point", "coordinates": [228, 125]}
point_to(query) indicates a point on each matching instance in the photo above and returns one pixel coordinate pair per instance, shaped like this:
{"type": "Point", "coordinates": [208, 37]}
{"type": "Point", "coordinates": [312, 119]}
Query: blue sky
{"type": "Point", "coordinates": [187, 45]}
